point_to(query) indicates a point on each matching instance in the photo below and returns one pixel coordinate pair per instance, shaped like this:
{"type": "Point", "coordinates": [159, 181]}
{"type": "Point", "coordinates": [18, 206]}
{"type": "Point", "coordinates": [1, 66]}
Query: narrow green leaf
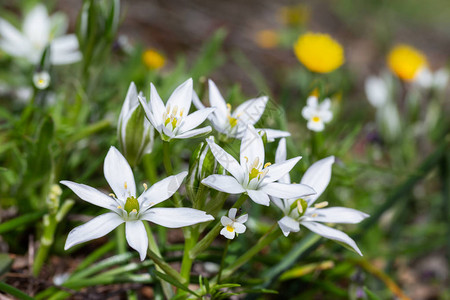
{"type": "Point", "coordinates": [175, 282]}
{"type": "Point", "coordinates": [14, 292]}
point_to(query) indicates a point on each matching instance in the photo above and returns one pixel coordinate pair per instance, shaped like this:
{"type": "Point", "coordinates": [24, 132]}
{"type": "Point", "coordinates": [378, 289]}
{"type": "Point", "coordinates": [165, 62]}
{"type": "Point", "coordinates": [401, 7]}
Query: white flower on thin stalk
{"type": "Point", "coordinates": [234, 124]}
{"type": "Point", "coordinates": [317, 114]}
{"type": "Point", "coordinates": [126, 207]}
{"type": "Point", "coordinates": [377, 91]}
{"type": "Point", "coordinates": [172, 120]}
{"type": "Point", "coordinates": [252, 175]}
{"type": "Point", "coordinates": [304, 211]}
{"type": "Point", "coordinates": [428, 79]}
{"type": "Point", "coordinates": [233, 225]}
{"type": "Point", "coordinates": [38, 31]}
{"type": "Point", "coordinates": [41, 80]}
{"type": "Point", "coordinates": [135, 132]}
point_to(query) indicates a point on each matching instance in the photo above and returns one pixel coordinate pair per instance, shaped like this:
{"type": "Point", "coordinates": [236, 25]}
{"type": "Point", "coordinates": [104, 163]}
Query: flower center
{"type": "Point", "coordinates": [173, 117]}
{"type": "Point", "coordinates": [230, 228]}
{"type": "Point", "coordinates": [233, 121]}
{"type": "Point", "coordinates": [131, 205]}
{"type": "Point", "coordinates": [256, 171]}
{"type": "Point", "coordinates": [316, 119]}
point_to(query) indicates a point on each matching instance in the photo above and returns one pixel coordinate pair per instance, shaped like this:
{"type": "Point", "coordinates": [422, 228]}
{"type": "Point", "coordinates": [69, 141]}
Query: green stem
{"type": "Point", "coordinates": [209, 238]}
{"type": "Point", "coordinates": [186, 264]}
{"type": "Point", "coordinates": [222, 262]}
{"type": "Point", "coordinates": [120, 239]}
{"type": "Point", "coordinates": [166, 158]}
{"type": "Point", "coordinates": [161, 265]}
{"type": "Point", "coordinates": [169, 170]}
{"type": "Point", "coordinates": [50, 222]}
{"type": "Point", "coordinates": [265, 240]}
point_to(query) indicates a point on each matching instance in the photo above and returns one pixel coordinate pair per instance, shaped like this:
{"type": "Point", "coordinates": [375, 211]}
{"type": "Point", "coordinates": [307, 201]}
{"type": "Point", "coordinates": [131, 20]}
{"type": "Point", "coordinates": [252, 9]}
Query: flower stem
{"type": "Point", "coordinates": [222, 262]}
{"type": "Point", "coordinates": [191, 237]}
{"type": "Point", "coordinates": [166, 158]}
{"type": "Point", "coordinates": [169, 169]}
{"type": "Point", "coordinates": [209, 238]}
{"type": "Point", "coordinates": [154, 254]}
{"type": "Point", "coordinates": [265, 240]}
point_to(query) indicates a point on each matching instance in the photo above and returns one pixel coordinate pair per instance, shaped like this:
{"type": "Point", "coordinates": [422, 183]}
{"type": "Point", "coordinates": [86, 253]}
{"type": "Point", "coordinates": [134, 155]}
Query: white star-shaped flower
{"type": "Point", "coordinates": [303, 210]}
{"type": "Point", "coordinates": [38, 31]}
{"type": "Point", "coordinates": [233, 225]}
{"type": "Point", "coordinates": [317, 114]}
{"type": "Point", "coordinates": [234, 124]}
{"type": "Point", "coordinates": [252, 175]}
{"type": "Point", "coordinates": [172, 120]}
{"type": "Point", "coordinates": [126, 207]}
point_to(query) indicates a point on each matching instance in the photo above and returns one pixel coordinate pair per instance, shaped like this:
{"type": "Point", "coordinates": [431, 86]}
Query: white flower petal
{"type": "Point", "coordinates": [95, 228]}
{"type": "Point", "coordinates": [226, 160]}
{"type": "Point", "coordinates": [224, 220]}
{"type": "Point", "coordinates": [318, 177]}
{"type": "Point", "coordinates": [315, 126]}
{"type": "Point", "coordinates": [12, 41]}
{"type": "Point", "coordinates": [342, 215]}
{"type": "Point", "coordinates": [182, 97]}
{"type": "Point", "coordinates": [119, 175]}
{"type": "Point", "coordinates": [193, 133]}
{"type": "Point", "coordinates": [195, 119]}
{"type": "Point", "coordinates": [286, 191]}
{"type": "Point", "coordinates": [137, 237]}
{"type": "Point", "coordinates": [239, 228]}
{"type": "Point", "coordinates": [232, 213]}
{"type": "Point", "coordinates": [149, 114]}
{"type": "Point", "coordinates": [332, 234]}
{"type": "Point", "coordinates": [216, 100]}
{"type": "Point", "coordinates": [312, 102]}
{"type": "Point", "coordinates": [176, 217]}
{"type": "Point", "coordinates": [326, 116]}
{"type": "Point", "coordinates": [223, 183]}
{"type": "Point", "coordinates": [259, 197]}
{"type": "Point", "coordinates": [65, 43]}
{"type": "Point", "coordinates": [280, 156]}
{"type": "Point", "coordinates": [156, 106]}
{"type": "Point", "coordinates": [162, 190]}
{"type": "Point", "coordinates": [196, 100]}
{"type": "Point", "coordinates": [325, 104]}
{"type": "Point", "coordinates": [91, 195]}
{"type": "Point", "coordinates": [36, 26]}
{"type": "Point", "coordinates": [251, 110]}
{"type": "Point", "coordinates": [279, 170]}
{"type": "Point", "coordinates": [308, 112]}
{"type": "Point", "coordinates": [278, 202]}
{"type": "Point", "coordinates": [273, 134]}
{"type": "Point", "coordinates": [242, 219]}
{"type": "Point", "coordinates": [287, 225]}
{"type": "Point", "coordinates": [65, 58]}
{"type": "Point", "coordinates": [376, 91]}
{"type": "Point", "coordinates": [252, 147]}
{"type": "Point", "coordinates": [228, 234]}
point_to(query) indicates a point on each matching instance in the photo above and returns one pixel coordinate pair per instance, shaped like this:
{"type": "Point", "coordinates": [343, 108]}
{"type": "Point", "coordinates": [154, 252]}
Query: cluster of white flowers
{"type": "Point", "coordinates": [39, 30]}
{"type": "Point", "coordinates": [252, 176]}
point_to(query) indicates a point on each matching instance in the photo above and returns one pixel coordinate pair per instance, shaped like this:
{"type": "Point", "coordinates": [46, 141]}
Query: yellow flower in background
{"type": "Point", "coordinates": [295, 14]}
{"type": "Point", "coordinates": [153, 59]}
{"type": "Point", "coordinates": [267, 39]}
{"type": "Point", "coordinates": [319, 52]}
{"type": "Point", "coordinates": [406, 61]}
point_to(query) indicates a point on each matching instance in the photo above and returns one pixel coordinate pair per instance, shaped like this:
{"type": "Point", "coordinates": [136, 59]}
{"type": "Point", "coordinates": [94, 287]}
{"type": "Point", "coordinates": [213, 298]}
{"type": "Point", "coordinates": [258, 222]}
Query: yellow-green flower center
{"type": "Point", "coordinates": [301, 205]}
{"type": "Point", "coordinates": [230, 228]}
{"type": "Point", "coordinates": [256, 171]}
{"type": "Point", "coordinates": [131, 205]}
